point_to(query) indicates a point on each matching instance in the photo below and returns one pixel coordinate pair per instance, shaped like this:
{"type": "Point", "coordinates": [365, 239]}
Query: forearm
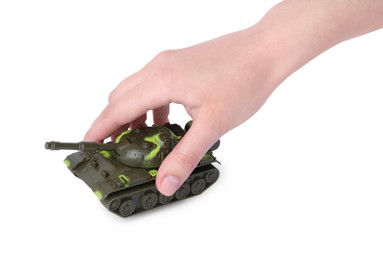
{"type": "Point", "coordinates": [297, 31]}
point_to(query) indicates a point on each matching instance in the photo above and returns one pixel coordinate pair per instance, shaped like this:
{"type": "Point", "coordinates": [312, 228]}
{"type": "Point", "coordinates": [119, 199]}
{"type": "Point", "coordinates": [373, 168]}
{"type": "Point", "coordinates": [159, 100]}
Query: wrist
{"type": "Point", "coordinates": [295, 32]}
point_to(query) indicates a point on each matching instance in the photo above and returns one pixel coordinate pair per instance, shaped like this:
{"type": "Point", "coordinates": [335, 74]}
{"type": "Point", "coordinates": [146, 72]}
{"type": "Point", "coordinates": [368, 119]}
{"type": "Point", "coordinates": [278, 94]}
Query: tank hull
{"type": "Point", "coordinates": [146, 196]}
{"type": "Point", "coordinates": [126, 190]}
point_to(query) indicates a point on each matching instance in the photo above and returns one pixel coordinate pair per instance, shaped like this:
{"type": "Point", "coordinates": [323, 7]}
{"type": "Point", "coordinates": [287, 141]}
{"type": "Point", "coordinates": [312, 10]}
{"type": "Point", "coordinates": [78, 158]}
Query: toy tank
{"type": "Point", "coordinates": [122, 173]}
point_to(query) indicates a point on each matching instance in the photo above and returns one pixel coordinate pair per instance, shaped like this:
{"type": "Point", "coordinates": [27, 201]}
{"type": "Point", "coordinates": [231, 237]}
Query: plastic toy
{"type": "Point", "coordinates": [122, 173]}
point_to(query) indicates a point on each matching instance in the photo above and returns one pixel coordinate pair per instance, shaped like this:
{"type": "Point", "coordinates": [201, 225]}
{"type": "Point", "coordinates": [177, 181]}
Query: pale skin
{"type": "Point", "coordinates": [224, 81]}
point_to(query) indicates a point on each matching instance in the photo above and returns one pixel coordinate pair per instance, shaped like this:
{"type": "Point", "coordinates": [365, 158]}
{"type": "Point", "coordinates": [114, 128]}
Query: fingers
{"type": "Point", "coordinates": [160, 115]}
{"type": "Point", "coordinates": [119, 131]}
{"type": "Point", "coordinates": [139, 122]}
{"type": "Point", "coordinates": [125, 86]}
{"type": "Point", "coordinates": [130, 106]}
{"type": "Point", "coordinates": [178, 165]}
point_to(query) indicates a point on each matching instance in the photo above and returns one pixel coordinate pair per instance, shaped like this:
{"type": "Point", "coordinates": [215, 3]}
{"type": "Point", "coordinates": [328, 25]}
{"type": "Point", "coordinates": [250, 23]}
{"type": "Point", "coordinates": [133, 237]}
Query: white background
{"type": "Point", "coordinates": [302, 179]}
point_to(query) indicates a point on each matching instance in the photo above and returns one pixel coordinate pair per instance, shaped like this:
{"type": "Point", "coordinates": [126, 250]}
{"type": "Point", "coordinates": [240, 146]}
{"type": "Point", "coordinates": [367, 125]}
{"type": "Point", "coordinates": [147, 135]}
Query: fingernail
{"type": "Point", "coordinates": [169, 185]}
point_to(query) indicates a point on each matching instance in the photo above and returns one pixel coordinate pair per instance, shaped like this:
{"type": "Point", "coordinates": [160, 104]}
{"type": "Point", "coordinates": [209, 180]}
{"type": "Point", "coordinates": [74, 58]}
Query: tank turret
{"type": "Point", "coordinates": [122, 173]}
{"type": "Point", "coordinates": [142, 147]}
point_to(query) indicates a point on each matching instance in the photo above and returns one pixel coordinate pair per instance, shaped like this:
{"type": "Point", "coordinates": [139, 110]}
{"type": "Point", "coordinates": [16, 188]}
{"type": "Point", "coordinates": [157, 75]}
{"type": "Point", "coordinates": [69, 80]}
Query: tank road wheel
{"type": "Point", "coordinates": [127, 208]}
{"type": "Point", "coordinates": [165, 199]}
{"type": "Point", "coordinates": [198, 186]}
{"type": "Point", "coordinates": [149, 200]}
{"type": "Point", "coordinates": [212, 176]}
{"type": "Point", "coordinates": [114, 204]}
{"type": "Point", "coordinates": [182, 191]}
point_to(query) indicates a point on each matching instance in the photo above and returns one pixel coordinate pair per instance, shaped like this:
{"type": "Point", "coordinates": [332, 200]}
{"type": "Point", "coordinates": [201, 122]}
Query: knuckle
{"type": "Point", "coordinates": [112, 96]}
{"type": "Point", "coordinates": [163, 56]}
{"type": "Point", "coordinates": [121, 88]}
{"type": "Point", "coordinates": [163, 63]}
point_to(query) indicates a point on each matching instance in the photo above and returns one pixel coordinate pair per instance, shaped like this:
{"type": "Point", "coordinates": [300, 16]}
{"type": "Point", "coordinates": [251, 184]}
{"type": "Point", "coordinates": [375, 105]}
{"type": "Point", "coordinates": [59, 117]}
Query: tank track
{"type": "Point", "coordinates": [145, 197]}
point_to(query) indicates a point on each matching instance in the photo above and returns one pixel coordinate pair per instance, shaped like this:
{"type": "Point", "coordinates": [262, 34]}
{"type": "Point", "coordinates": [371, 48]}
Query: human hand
{"type": "Point", "coordinates": [219, 83]}
{"type": "Point", "coordinates": [223, 82]}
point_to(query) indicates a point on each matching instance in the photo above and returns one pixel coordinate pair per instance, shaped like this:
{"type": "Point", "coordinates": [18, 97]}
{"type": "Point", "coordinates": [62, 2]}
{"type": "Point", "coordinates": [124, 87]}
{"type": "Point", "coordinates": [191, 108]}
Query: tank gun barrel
{"type": "Point", "coordinates": [81, 146]}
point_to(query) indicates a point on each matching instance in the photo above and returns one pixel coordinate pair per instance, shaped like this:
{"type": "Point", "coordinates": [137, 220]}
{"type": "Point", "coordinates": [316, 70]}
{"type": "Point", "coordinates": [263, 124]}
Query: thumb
{"type": "Point", "coordinates": [180, 163]}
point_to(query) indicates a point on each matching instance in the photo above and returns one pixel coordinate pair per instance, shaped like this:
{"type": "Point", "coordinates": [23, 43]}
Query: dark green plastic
{"type": "Point", "coordinates": [122, 174]}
